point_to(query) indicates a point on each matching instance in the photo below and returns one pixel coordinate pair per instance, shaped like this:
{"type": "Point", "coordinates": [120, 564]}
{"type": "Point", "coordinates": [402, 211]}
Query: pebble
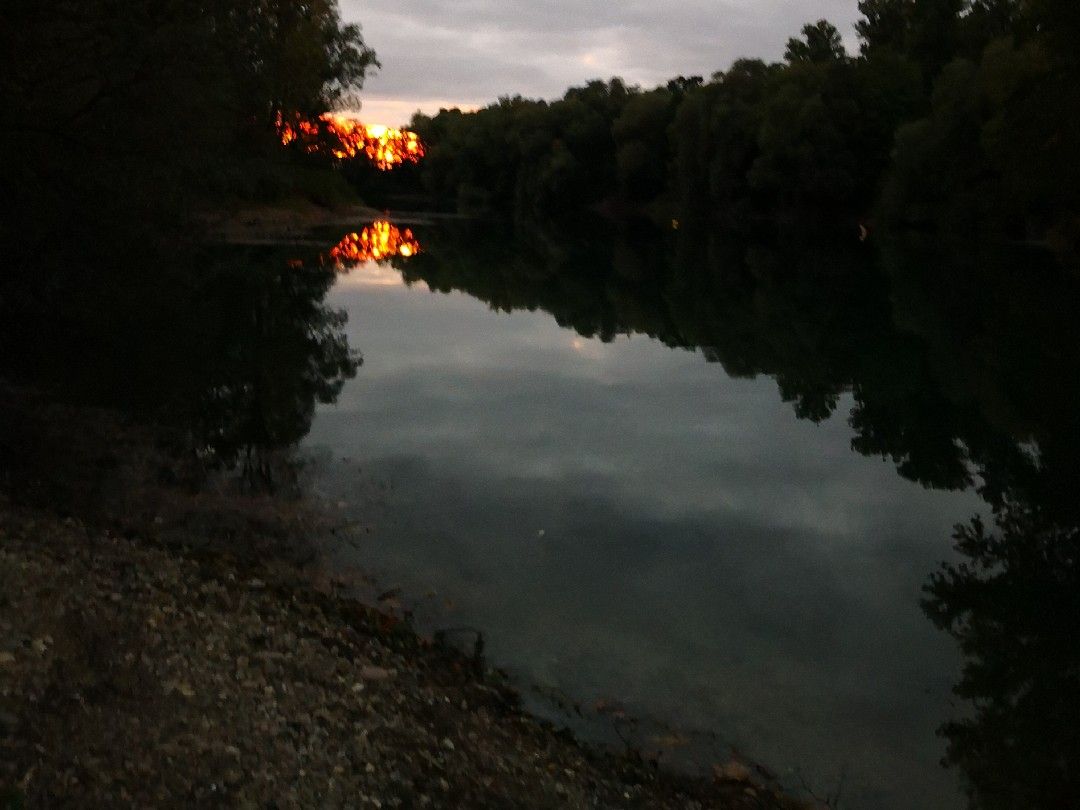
{"type": "Point", "coordinates": [370, 673]}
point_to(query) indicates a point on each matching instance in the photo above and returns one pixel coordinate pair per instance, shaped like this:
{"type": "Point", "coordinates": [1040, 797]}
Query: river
{"type": "Point", "coordinates": [675, 530]}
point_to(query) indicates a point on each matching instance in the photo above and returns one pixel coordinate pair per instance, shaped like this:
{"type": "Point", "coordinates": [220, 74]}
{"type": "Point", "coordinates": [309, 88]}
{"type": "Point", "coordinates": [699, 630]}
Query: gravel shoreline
{"type": "Point", "coordinates": [134, 676]}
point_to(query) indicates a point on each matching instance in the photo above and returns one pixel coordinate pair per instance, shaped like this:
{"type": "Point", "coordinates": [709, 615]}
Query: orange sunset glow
{"type": "Point", "coordinates": [379, 241]}
{"type": "Point", "coordinates": [346, 138]}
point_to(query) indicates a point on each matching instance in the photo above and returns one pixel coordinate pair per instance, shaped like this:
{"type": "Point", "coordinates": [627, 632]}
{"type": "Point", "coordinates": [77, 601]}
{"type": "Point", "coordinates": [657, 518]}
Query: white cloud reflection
{"type": "Point", "coordinates": [369, 275]}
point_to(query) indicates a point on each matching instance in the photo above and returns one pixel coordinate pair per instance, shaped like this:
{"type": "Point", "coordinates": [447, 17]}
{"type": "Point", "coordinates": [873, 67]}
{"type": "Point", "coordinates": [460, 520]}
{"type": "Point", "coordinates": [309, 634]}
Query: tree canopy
{"type": "Point", "coordinates": [980, 95]}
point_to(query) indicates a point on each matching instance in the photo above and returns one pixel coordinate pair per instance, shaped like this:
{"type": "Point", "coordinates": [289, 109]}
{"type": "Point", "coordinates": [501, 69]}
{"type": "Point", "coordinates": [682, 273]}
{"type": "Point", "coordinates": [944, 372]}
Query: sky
{"type": "Point", "coordinates": [466, 53]}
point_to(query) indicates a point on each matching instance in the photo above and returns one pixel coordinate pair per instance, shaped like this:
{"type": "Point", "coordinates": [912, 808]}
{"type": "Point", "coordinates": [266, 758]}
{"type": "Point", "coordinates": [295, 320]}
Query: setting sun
{"type": "Point", "coordinates": [346, 138]}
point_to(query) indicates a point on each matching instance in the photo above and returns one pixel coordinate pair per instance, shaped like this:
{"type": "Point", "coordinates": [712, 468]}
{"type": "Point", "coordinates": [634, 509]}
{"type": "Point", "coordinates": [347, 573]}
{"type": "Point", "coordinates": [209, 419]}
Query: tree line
{"type": "Point", "coordinates": [954, 113]}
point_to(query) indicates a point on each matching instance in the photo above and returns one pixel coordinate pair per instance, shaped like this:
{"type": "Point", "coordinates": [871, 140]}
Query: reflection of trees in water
{"type": "Point", "coordinates": [999, 329]}
{"type": "Point", "coordinates": [230, 351]}
{"type": "Point", "coordinates": [963, 368]}
{"type": "Point", "coordinates": [1013, 605]}
{"type": "Point", "coordinates": [947, 381]}
{"type": "Point", "coordinates": [273, 351]}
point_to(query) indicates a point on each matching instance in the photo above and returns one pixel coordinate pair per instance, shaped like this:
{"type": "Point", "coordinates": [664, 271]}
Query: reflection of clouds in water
{"type": "Point", "coordinates": [705, 554]}
{"type": "Point", "coordinates": [505, 393]}
{"type": "Point", "coordinates": [589, 349]}
{"type": "Point", "coordinates": [369, 274]}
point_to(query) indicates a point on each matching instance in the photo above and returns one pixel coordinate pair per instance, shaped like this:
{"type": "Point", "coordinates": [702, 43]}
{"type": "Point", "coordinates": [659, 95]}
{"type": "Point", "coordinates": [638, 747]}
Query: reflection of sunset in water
{"type": "Point", "coordinates": [379, 241]}
{"type": "Point", "coordinates": [345, 138]}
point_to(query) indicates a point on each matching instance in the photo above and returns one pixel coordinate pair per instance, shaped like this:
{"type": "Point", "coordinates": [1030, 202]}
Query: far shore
{"type": "Point", "coordinates": [294, 221]}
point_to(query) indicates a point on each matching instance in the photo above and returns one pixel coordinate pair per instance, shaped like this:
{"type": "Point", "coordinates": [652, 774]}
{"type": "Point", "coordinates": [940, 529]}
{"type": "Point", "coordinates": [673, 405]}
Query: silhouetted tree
{"type": "Point", "coordinates": [821, 42]}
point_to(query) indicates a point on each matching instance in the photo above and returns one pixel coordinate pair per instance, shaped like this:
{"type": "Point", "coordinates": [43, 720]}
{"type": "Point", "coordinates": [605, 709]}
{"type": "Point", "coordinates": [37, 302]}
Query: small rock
{"type": "Point", "coordinates": [448, 744]}
{"type": "Point", "coordinates": [732, 771]}
{"type": "Point", "coordinates": [183, 687]}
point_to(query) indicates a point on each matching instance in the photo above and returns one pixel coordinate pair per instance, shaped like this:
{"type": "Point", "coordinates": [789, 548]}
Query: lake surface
{"type": "Point", "coordinates": [717, 494]}
{"type": "Point", "coordinates": [629, 522]}
{"type": "Point", "coordinates": [715, 498]}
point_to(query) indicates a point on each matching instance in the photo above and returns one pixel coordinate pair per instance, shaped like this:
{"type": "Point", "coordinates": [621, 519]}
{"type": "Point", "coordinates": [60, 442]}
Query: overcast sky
{"type": "Point", "coordinates": [441, 53]}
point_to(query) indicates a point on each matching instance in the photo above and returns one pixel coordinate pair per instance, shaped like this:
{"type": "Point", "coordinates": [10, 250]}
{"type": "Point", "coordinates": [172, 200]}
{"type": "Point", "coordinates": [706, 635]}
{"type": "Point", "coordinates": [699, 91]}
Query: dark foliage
{"type": "Point", "coordinates": [119, 119]}
{"type": "Point", "coordinates": [121, 122]}
{"type": "Point", "coordinates": [980, 95]}
{"type": "Point", "coordinates": [1013, 604]}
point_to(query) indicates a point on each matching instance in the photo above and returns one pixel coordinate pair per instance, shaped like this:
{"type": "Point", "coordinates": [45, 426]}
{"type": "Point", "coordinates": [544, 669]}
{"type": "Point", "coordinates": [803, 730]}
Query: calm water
{"type": "Point", "coordinates": [708, 483]}
{"type": "Point", "coordinates": [627, 521]}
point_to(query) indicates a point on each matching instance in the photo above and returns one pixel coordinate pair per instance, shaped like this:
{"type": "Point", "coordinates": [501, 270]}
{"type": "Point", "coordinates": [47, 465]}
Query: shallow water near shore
{"type": "Point", "coordinates": [631, 524]}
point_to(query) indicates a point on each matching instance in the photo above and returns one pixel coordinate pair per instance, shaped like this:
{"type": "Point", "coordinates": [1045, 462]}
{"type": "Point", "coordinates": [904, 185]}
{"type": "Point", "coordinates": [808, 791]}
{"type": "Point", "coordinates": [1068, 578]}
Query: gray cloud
{"type": "Point", "coordinates": [469, 52]}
